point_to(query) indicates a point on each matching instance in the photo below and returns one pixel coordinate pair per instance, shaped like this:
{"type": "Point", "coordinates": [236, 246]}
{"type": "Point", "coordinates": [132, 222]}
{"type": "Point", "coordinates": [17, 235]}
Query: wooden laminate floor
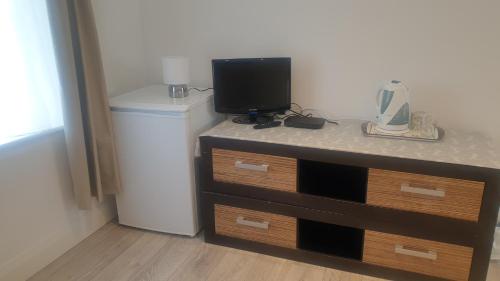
{"type": "Point", "coordinates": [122, 253]}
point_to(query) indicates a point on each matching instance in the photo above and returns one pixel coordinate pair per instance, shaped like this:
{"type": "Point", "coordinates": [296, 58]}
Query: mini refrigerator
{"type": "Point", "coordinates": [156, 137]}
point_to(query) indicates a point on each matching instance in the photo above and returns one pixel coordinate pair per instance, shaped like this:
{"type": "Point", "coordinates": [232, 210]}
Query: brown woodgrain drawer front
{"type": "Point", "coordinates": [257, 226]}
{"type": "Point", "coordinates": [255, 169]}
{"type": "Point", "coordinates": [454, 198]}
{"type": "Point", "coordinates": [432, 258]}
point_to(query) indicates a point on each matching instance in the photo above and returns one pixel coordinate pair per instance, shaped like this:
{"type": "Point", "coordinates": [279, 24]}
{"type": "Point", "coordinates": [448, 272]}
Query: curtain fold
{"type": "Point", "coordinates": [87, 119]}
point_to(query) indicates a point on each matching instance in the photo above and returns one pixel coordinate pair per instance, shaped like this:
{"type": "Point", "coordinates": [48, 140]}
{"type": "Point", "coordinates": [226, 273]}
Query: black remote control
{"type": "Point", "coordinates": [267, 125]}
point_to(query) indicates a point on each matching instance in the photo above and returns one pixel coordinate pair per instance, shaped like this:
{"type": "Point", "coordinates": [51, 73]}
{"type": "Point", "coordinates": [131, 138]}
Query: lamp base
{"type": "Point", "coordinates": [178, 91]}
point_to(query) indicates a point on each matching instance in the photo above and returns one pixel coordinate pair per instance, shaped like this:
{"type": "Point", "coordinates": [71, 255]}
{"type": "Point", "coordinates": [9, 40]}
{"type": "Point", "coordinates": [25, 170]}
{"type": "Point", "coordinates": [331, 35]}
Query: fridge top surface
{"type": "Point", "coordinates": [156, 98]}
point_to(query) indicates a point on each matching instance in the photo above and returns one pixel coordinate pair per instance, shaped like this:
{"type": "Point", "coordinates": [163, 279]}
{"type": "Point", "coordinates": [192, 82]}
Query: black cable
{"type": "Point", "coordinates": [310, 115]}
{"type": "Point", "coordinates": [297, 113]}
{"type": "Point", "coordinates": [300, 107]}
{"type": "Point", "coordinates": [282, 116]}
{"type": "Point", "coordinates": [201, 90]}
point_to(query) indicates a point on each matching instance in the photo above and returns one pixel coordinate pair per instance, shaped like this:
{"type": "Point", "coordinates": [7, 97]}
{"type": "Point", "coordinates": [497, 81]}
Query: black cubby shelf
{"type": "Point", "coordinates": [333, 180]}
{"type": "Point", "coordinates": [330, 239]}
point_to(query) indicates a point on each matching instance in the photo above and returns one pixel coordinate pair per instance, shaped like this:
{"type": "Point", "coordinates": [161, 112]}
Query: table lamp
{"type": "Point", "coordinates": [176, 76]}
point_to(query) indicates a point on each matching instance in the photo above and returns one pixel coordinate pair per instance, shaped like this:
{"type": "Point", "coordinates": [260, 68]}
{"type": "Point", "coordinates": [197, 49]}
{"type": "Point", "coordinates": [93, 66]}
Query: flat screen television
{"type": "Point", "coordinates": [251, 86]}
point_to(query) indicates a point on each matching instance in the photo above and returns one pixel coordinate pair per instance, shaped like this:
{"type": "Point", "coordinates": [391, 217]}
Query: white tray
{"type": "Point", "coordinates": [365, 127]}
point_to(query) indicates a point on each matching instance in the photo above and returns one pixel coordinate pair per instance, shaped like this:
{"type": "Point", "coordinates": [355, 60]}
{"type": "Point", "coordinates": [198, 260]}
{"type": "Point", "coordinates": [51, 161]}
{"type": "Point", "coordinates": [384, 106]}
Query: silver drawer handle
{"type": "Point", "coordinates": [261, 225]}
{"type": "Point", "coordinates": [406, 187]}
{"type": "Point", "coordinates": [429, 255]}
{"type": "Point", "coordinates": [259, 168]}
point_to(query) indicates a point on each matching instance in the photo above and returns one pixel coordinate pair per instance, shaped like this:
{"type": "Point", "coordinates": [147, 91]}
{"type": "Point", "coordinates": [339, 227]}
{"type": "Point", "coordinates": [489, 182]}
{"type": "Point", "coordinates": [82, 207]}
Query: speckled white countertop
{"type": "Point", "coordinates": [456, 147]}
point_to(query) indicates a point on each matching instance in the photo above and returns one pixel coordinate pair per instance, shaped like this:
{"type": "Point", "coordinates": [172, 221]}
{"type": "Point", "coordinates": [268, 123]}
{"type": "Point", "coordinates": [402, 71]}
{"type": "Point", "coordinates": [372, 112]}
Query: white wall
{"type": "Point", "coordinates": [120, 29]}
{"type": "Point", "coordinates": [39, 220]}
{"type": "Point", "coordinates": [447, 51]}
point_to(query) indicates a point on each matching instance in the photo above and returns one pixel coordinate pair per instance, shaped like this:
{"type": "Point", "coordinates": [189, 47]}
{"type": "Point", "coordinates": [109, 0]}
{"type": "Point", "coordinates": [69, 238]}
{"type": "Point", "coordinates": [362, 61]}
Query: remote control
{"type": "Point", "coordinates": [267, 125]}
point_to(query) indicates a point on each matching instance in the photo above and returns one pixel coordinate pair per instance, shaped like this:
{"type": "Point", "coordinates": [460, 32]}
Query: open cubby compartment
{"type": "Point", "coordinates": [330, 239]}
{"type": "Point", "coordinates": [333, 180]}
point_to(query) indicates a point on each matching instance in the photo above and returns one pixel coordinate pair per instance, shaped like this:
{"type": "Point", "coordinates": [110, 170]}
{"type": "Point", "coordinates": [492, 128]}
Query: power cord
{"type": "Point", "coordinates": [294, 113]}
{"type": "Point", "coordinates": [301, 113]}
{"type": "Point", "coordinates": [200, 90]}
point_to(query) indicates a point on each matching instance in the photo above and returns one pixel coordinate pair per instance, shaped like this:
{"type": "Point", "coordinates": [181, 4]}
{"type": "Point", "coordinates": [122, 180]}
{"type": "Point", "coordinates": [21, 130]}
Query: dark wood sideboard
{"type": "Point", "coordinates": [386, 216]}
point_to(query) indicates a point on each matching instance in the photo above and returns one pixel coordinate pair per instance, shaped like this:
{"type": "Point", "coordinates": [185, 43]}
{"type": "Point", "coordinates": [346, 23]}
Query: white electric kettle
{"type": "Point", "coordinates": [393, 108]}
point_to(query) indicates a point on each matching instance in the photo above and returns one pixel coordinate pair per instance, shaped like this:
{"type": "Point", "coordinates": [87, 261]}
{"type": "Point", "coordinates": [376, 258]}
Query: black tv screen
{"type": "Point", "coordinates": [251, 85]}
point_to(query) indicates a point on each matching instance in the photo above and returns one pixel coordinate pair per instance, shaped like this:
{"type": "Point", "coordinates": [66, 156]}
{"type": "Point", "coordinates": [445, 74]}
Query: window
{"type": "Point", "coordinates": [30, 94]}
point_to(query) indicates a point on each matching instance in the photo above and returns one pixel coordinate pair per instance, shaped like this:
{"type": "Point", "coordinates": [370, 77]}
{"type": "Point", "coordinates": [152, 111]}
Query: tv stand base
{"type": "Point", "coordinates": [253, 119]}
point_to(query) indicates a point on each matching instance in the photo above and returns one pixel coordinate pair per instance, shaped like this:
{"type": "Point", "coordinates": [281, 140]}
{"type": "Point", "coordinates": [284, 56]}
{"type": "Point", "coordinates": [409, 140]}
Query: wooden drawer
{"type": "Point", "coordinates": [253, 169]}
{"type": "Point", "coordinates": [459, 199]}
{"type": "Point", "coordinates": [257, 226]}
{"type": "Point", "coordinates": [417, 255]}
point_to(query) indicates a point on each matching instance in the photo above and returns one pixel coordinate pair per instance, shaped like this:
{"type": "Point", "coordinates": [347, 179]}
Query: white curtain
{"type": "Point", "coordinates": [30, 93]}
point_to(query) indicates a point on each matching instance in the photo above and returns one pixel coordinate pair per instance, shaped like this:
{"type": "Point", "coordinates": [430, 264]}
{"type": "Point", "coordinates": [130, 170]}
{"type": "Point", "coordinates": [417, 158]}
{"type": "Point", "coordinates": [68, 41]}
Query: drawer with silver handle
{"type": "Point", "coordinates": [455, 198]}
{"type": "Point", "coordinates": [256, 226]}
{"type": "Point", "coordinates": [427, 257]}
{"type": "Point", "coordinates": [254, 169]}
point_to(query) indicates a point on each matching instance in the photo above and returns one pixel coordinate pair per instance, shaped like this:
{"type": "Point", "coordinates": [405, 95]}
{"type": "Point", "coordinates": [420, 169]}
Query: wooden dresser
{"type": "Point", "coordinates": [393, 209]}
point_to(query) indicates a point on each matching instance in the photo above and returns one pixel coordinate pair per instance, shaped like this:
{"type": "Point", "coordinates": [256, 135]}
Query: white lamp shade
{"type": "Point", "coordinates": [175, 70]}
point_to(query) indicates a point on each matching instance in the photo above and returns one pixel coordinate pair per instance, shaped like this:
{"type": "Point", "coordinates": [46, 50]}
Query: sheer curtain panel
{"type": "Point", "coordinates": [30, 98]}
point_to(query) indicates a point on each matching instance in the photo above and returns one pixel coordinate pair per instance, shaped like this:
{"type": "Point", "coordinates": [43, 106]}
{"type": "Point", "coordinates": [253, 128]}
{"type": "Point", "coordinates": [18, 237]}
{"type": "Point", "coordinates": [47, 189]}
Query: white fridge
{"type": "Point", "coordinates": [155, 139]}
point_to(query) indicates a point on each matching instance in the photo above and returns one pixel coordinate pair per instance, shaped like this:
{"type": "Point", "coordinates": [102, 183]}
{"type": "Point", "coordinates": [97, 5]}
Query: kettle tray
{"type": "Point", "coordinates": [369, 130]}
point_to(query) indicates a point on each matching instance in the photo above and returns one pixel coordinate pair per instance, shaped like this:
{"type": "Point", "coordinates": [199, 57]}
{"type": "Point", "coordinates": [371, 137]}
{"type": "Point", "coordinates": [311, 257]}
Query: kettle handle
{"type": "Point", "coordinates": [377, 99]}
